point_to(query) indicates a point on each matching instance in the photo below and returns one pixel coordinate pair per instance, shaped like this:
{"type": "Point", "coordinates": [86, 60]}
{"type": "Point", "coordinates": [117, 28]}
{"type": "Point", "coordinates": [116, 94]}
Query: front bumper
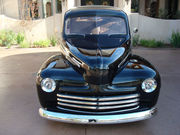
{"type": "Point", "coordinates": [97, 119]}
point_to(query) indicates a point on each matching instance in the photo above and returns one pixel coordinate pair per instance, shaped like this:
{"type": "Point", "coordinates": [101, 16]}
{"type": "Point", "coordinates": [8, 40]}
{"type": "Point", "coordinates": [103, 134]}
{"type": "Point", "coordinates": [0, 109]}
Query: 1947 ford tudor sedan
{"type": "Point", "coordinates": [96, 79]}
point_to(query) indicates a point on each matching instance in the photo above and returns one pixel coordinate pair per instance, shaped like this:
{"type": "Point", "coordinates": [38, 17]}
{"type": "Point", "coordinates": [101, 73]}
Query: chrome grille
{"type": "Point", "coordinates": [99, 103]}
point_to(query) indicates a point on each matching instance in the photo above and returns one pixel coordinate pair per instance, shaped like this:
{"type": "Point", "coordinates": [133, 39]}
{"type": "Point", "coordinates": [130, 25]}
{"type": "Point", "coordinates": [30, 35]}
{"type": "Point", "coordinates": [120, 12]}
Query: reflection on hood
{"type": "Point", "coordinates": [97, 58]}
{"type": "Point", "coordinates": [104, 52]}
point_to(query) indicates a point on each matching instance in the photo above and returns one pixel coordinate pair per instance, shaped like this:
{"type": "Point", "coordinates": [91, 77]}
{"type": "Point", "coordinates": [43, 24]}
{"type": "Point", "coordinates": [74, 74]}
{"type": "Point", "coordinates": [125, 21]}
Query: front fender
{"type": "Point", "coordinates": [137, 70]}
{"type": "Point", "coordinates": [58, 69]}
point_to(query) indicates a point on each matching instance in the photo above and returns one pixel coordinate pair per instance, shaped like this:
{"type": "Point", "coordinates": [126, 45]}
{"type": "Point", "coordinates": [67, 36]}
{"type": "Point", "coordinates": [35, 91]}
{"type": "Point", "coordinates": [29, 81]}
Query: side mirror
{"type": "Point", "coordinates": [135, 30]}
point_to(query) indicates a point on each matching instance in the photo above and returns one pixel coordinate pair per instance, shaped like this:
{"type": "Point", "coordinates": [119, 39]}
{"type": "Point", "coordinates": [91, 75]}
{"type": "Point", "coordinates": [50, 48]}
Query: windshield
{"type": "Point", "coordinates": [95, 25]}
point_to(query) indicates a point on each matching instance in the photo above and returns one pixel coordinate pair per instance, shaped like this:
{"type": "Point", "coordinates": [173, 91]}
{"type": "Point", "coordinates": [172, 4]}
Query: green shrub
{"type": "Point", "coordinates": [7, 38]}
{"type": "Point", "coordinates": [41, 43]}
{"type": "Point", "coordinates": [151, 43]}
{"type": "Point", "coordinates": [20, 38]}
{"type": "Point", "coordinates": [135, 40]}
{"type": "Point", "coordinates": [175, 39]}
{"type": "Point", "coordinates": [53, 41]}
{"type": "Point", "coordinates": [24, 44]}
{"type": "Point", "coordinates": [163, 14]}
{"type": "Point", "coordinates": [176, 15]}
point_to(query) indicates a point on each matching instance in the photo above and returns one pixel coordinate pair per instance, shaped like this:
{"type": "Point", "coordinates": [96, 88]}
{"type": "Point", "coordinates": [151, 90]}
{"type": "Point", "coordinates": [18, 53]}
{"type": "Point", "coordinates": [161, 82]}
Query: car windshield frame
{"type": "Point", "coordinates": [107, 18]}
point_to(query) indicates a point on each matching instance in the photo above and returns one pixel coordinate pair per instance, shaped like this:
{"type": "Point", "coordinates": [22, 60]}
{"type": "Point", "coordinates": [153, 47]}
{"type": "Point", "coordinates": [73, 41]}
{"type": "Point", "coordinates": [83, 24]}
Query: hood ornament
{"type": "Point", "coordinates": [99, 52]}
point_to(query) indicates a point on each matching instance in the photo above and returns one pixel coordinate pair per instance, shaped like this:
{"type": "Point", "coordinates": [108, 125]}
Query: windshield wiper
{"type": "Point", "coordinates": [117, 36]}
{"type": "Point", "coordinates": [75, 36]}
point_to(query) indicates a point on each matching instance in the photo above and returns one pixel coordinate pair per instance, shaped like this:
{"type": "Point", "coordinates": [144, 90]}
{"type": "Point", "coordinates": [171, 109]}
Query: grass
{"type": "Point", "coordinates": [41, 43]}
{"type": "Point", "coordinates": [135, 40]}
{"type": "Point", "coordinates": [151, 43]}
{"type": "Point", "coordinates": [24, 44]}
{"type": "Point", "coordinates": [53, 41]}
{"type": "Point", "coordinates": [175, 39]}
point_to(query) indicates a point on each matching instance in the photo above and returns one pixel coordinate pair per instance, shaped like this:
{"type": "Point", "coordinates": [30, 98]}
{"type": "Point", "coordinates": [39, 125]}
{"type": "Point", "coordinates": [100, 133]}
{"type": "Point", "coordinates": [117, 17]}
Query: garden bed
{"type": "Point", "coordinates": [174, 42]}
{"type": "Point", "coordinates": [9, 38]}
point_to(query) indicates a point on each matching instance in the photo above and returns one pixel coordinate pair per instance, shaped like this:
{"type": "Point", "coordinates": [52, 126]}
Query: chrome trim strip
{"type": "Point", "coordinates": [73, 61]}
{"type": "Point", "coordinates": [124, 60]}
{"type": "Point", "coordinates": [97, 119]}
{"type": "Point", "coordinates": [121, 89]}
{"type": "Point", "coordinates": [99, 98]}
{"type": "Point", "coordinates": [76, 60]}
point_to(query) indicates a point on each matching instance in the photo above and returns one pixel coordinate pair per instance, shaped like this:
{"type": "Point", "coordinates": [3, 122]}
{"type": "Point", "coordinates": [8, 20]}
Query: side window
{"type": "Point", "coordinates": [67, 26]}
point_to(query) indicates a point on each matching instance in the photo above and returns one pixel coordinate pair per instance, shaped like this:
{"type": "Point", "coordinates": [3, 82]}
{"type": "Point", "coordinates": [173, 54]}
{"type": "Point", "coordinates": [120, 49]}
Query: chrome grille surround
{"type": "Point", "coordinates": [98, 103]}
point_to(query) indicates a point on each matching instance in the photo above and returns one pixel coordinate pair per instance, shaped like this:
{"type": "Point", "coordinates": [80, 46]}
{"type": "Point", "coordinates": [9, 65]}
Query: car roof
{"type": "Point", "coordinates": [95, 9]}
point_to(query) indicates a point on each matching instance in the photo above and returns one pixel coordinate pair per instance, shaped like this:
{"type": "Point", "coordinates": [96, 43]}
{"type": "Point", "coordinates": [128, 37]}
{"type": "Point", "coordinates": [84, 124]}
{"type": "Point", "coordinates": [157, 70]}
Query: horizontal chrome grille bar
{"type": "Point", "coordinates": [119, 97]}
{"type": "Point", "coordinates": [77, 106]}
{"type": "Point", "coordinates": [77, 102]}
{"type": "Point", "coordinates": [118, 106]}
{"type": "Point", "coordinates": [110, 98]}
{"type": "Point", "coordinates": [98, 107]}
{"type": "Point", "coordinates": [119, 102]}
{"type": "Point", "coordinates": [77, 97]}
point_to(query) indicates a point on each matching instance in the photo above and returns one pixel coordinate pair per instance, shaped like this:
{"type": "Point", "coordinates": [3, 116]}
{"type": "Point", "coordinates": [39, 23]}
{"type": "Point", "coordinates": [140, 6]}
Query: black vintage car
{"type": "Point", "coordinates": [96, 79]}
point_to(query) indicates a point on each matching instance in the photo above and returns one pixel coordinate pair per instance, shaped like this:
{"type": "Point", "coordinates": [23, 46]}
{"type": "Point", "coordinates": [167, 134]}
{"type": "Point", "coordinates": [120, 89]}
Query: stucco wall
{"type": "Point", "coordinates": [34, 30]}
{"type": "Point", "coordinates": [10, 8]}
{"type": "Point", "coordinates": [152, 28]}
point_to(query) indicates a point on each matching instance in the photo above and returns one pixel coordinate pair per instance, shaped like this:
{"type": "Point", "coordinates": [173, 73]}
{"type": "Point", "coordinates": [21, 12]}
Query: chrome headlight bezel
{"type": "Point", "coordinates": [149, 85]}
{"type": "Point", "coordinates": [48, 85]}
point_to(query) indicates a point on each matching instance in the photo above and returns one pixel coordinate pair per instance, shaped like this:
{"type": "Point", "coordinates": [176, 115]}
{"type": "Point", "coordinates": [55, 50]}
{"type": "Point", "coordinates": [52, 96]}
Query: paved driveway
{"type": "Point", "coordinates": [19, 102]}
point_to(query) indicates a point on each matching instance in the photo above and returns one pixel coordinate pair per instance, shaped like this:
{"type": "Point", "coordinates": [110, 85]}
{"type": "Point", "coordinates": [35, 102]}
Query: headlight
{"type": "Point", "coordinates": [48, 85]}
{"type": "Point", "coordinates": [149, 85]}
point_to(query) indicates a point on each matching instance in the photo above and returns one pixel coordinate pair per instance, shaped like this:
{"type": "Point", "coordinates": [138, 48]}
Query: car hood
{"type": "Point", "coordinates": [98, 58]}
{"type": "Point", "coordinates": [102, 57]}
